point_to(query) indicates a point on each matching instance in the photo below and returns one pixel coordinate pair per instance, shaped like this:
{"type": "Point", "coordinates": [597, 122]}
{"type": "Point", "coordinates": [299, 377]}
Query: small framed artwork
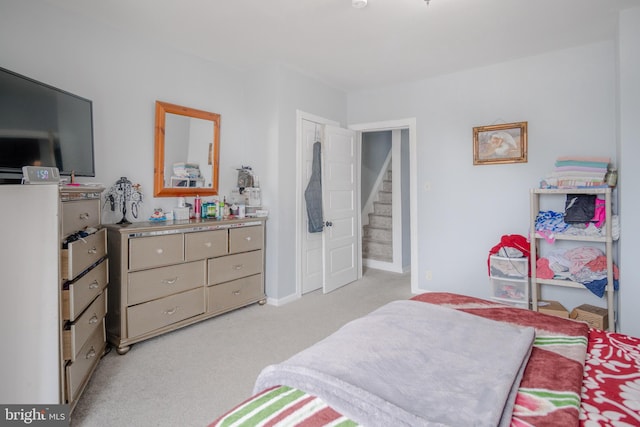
{"type": "Point", "coordinates": [496, 144]}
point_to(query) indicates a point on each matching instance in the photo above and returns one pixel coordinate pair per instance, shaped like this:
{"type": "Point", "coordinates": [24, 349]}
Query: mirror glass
{"type": "Point", "coordinates": [187, 151]}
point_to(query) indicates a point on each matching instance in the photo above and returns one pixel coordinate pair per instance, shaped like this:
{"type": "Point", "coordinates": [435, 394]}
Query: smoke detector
{"type": "Point", "coordinates": [359, 4]}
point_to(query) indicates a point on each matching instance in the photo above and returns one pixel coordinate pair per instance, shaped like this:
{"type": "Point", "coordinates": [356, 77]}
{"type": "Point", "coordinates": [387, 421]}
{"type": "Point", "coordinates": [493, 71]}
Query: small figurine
{"type": "Point", "coordinates": [157, 215]}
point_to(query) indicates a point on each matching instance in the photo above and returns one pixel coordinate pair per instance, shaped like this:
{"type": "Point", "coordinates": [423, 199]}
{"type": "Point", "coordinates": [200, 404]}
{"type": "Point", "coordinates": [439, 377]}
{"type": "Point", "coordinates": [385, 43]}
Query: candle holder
{"type": "Point", "coordinates": [124, 194]}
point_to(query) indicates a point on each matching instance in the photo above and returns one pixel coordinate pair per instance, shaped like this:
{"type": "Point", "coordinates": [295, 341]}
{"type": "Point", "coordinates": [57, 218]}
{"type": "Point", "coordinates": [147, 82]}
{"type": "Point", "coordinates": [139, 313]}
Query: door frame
{"type": "Point", "coordinates": [410, 124]}
{"type": "Point", "coordinates": [407, 123]}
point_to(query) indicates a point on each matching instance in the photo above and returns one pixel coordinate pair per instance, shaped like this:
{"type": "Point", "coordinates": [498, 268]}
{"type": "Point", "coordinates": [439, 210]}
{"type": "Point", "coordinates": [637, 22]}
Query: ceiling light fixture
{"type": "Point", "coordinates": [359, 4]}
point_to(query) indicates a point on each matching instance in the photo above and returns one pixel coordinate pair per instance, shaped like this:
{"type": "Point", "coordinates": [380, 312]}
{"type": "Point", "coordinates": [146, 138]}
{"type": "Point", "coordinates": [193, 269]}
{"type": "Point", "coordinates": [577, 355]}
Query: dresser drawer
{"type": "Point", "coordinates": [236, 293]}
{"type": "Point", "coordinates": [79, 214]}
{"type": "Point", "coordinates": [77, 372]}
{"type": "Point", "coordinates": [244, 239]}
{"type": "Point", "coordinates": [75, 334]}
{"type": "Point", "coordinates": [81, 254]}
{"type": "Point", "coordinates": [155, 251]}
{"type": "Point", "coordinates": [205, 244]}
{"type": "Point", "coordinates": [84, 290]}
{"type": "Point", "coordinates": [160, 282]}
{"type": "Point", "coordinates": [233, 267]}
{"type": "Point", "coordinates": [152, 315]}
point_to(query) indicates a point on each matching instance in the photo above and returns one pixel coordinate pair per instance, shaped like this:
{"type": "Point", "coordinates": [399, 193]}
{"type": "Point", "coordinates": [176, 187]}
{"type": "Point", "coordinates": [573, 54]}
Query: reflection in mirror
{"type": "Point", "coordinates": [187, 151]}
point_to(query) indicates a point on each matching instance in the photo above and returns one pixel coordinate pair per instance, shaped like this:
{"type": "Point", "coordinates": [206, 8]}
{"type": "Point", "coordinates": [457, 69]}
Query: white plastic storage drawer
{"type": "Point", "coordinates": [511, 290]}
{"type": "Point", "coordinates": [509, 268]}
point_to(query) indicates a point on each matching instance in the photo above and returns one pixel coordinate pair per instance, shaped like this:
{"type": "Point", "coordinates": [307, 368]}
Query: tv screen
{"type": "Point", "coordinates": [41, 125]}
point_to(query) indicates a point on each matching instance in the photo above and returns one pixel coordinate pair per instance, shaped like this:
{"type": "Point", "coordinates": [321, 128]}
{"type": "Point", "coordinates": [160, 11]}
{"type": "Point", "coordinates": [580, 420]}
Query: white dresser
{"type": "Point", "coordinates": [54, 300]}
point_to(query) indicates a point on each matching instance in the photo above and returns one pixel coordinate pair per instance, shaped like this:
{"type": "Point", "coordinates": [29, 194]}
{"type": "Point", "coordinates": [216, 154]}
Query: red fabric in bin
{"type": "Point", "coordinates": [515, 241]}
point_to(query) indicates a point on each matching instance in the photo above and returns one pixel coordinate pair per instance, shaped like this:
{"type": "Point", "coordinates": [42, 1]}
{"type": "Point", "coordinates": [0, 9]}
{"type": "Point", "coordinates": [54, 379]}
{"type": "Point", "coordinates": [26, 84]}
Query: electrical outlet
{"type": "Point", "coordinates": [427, 186]}
{"type": "Point", "coordinates": [428, 275]}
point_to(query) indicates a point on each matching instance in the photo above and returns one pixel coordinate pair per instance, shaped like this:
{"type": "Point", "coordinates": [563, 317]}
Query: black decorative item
{"type": "Point", "coordinates": [121, 194]}
{"type": "Point", "coordinates": [245, 178]}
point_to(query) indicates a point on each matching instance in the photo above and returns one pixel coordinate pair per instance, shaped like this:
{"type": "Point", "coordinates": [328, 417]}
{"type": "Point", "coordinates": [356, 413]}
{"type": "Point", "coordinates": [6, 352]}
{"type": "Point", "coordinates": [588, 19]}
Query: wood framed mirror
{"type": "Point", "coordinates": [187, 151]}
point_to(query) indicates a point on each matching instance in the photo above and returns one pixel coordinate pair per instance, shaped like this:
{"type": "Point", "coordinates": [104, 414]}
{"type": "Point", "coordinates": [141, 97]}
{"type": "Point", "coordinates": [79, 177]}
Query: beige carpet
{"type": "Point", "coordinates": [191, 376]}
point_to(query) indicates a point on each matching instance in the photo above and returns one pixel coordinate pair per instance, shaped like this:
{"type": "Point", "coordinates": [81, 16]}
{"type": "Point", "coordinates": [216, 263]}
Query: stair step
{"type": "Point", "coordinates": [384, 196]}
{"type": "Point", "coordinates": [380, 221]}
{"type": "Point", "coordinates": [380, 234]}
{"type": "Point", "coordinates": [377, 250]}
{"type": "Point", "coordinates": [382, 208]}
{"type": "Point", "coordinates": [387, 185]}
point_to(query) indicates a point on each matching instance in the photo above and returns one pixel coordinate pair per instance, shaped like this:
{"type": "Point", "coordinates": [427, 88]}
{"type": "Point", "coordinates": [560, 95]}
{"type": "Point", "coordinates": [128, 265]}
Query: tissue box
{"type": "Point", "coordinates": [596, 317]}
{"type": "Point", "coordinates": [180, 213]}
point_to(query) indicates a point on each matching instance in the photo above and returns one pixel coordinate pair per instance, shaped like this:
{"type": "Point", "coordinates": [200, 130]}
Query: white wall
{"type": "Point", "coordinates": [274, 93]}
{"type": "Point", "coordinates": [629, 176]}
{"type": "Point", "coordinates": [568, 99]}
{"type": "Point", "coordinates": [296, 92]}
{"type": "Point", "coordinates": [124, 75]}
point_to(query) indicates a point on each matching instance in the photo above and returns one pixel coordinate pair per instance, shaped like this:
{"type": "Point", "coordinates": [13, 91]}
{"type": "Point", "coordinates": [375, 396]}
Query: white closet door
{"type": "Point", "coordinates": [340, 208]}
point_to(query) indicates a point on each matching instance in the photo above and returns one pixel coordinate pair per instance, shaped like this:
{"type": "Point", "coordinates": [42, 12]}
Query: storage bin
{"type": "Point", "coordinates": [510, 290]}
{"type": "Point", "coordinates": [510, 268]}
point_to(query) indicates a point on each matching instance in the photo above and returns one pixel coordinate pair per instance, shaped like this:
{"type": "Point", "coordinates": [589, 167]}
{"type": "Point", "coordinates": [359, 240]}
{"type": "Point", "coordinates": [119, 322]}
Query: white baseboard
{"type": "Point", "coordinates": [382, 265]}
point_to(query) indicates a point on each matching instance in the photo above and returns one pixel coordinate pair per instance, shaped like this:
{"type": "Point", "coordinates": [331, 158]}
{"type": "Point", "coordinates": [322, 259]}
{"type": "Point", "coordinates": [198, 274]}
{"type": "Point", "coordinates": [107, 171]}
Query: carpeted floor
{"type": "Point", "coordinates": [191, 376]}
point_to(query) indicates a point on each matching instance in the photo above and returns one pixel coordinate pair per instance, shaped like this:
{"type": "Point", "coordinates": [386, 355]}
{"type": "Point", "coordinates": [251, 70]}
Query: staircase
{"type": "Point", "coordinates": [377, 237]}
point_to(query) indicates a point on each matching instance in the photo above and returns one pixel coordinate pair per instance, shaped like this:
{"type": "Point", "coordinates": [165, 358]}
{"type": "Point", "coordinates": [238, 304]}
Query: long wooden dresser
{"type": "Point", "coordinates": [166, 275]}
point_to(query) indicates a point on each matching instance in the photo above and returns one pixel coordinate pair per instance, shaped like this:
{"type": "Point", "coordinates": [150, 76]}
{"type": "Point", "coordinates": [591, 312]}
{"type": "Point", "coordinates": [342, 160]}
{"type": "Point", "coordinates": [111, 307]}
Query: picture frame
{"type": "Point", "coordinates": [499, 144]}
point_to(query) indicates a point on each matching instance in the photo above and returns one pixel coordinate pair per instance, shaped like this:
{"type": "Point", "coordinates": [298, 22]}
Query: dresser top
{"type": "Point", "coordinates": [152, 228]}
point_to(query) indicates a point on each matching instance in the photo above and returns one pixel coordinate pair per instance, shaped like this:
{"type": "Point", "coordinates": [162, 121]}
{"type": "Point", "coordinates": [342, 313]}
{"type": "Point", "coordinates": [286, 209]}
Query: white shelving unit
{"type": "Point", "coordinates": [604, 241]}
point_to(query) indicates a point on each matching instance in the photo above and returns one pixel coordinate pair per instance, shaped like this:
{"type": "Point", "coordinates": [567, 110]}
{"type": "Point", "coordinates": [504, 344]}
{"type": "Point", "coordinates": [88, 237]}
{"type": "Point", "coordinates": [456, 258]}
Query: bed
{"type": "Point", "coordinates": [493, 365]}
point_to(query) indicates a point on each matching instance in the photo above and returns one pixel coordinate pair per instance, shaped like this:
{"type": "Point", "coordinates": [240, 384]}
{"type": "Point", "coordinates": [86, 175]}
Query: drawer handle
{"type": "Point", "coordinates": [92, 251]}
{"type": "Point", "coordinates": [248, 238]}
{"type": "Point", "coordinates": [94, 285]}
{"type": "Point", "coordinates": [94, 319]}
{"type": "Point", "coordinates": [169, 281]}
{"type": "Point", "coordinates": [84, 216]}
{"type": "Point", "coordinates": [208, 244]}
{"type": "Point", "coordinates": [236, 293]}
{"type": "Point", "coordinates": [238, 266]}
{"type": "Point", "coordinates": [171, 311]}
{"type": "Point", "coordinates": [91, 353]}
{"type": "Point", "coordinates": [159, 251]}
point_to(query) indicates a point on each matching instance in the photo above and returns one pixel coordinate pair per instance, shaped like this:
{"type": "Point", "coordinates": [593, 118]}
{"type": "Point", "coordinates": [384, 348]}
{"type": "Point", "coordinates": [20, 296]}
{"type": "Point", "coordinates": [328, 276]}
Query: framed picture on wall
{"type": "Point", "coordinates": [496, 144]}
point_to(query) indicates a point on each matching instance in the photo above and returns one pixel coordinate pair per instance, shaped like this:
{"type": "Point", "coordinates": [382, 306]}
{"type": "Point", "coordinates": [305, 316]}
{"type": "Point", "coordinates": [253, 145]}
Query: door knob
{"type": "Point", "coordinates": [328, 224]}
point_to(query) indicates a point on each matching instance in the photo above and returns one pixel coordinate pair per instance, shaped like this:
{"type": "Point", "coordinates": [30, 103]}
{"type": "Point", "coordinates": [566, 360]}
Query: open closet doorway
{"type": "Point", "coordinates": [399, 169]}
{"type": "Point", "coordinates": [310, 264]}
{"type": "Point", "coordinates": [328, 252]}
{"type": "Point", "coordinates": [385, 198]}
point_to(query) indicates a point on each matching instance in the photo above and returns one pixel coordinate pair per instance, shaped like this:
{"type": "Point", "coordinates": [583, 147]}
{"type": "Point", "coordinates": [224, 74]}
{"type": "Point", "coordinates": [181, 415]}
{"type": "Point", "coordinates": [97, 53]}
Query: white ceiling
{"type": "Point", "coordinates": [388, 42]}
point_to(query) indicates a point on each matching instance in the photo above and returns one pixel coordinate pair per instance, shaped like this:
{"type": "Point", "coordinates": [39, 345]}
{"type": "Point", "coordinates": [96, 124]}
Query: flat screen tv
{"type": "Point", "coordinates": [41, 125]}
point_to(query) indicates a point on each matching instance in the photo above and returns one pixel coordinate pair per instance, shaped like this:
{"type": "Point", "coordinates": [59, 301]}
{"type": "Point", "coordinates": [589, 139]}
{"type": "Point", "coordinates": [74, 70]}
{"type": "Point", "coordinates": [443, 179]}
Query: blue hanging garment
{"type": "Point", "coordinates": [313, 193]}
